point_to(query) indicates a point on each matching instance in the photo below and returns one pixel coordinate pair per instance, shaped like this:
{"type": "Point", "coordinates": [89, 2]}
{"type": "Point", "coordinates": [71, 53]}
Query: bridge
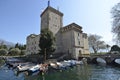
{"type": "Point", "coordinates": [109, 58]}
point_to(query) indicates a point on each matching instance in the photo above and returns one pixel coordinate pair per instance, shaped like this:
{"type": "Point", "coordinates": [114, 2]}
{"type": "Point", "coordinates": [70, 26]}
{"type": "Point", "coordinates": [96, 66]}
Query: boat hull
{"type": "Point", "coordinates": [34, 69]}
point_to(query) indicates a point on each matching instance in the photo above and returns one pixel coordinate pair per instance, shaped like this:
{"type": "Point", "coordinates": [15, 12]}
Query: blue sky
{"type": "Point", "coordinates": [20, 18]}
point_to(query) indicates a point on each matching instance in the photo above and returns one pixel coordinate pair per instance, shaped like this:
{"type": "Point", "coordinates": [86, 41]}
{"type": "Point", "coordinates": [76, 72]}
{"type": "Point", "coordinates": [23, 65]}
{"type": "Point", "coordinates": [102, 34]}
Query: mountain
{"type": "Point", "coordinates": [7, 43]}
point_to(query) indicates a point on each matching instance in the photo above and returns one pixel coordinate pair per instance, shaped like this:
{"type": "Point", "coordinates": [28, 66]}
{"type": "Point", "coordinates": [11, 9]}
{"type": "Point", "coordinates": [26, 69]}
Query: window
{"type": "Point", "coordinates": [78, 38]}
{"type": "Point", "coordinates": [35, 47]}
{"type": "Point", "coordinates": [78, 34]}
{"type": "Point", "coordinates": [79, 42]}
{"type": "Point", "coordinates": [79, 52]}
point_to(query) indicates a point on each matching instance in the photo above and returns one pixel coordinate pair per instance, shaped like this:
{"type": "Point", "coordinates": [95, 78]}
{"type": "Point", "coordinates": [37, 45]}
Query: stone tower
{"type": "Point", "coordinates": [70, 39]}
{"type": "Point", "coordinates": [51, 19]}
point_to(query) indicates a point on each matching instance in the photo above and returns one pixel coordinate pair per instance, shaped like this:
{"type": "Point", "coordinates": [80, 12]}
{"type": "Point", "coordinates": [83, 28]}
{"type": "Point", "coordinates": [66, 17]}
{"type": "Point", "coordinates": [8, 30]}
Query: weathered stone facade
{"type": "Point", "coordinates": [74, 41]}
{"type": "Point", "coordinates": [32, 46]}
{"type": "Point", "coordinates": [69, 39]}
{"type": "Point", "coordinates": [51, 19]}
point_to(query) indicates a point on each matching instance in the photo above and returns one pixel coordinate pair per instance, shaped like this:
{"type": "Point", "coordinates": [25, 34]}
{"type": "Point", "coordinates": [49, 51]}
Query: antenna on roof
{"type": "Point", "coordinates": [48, 3]}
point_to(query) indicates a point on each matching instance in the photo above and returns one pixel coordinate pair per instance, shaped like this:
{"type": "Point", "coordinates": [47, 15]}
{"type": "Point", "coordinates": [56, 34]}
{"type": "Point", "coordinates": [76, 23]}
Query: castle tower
{"type": "Point", "coordinates": [51, 19]}
{"type": "Point", "coordinates": [70, 39]}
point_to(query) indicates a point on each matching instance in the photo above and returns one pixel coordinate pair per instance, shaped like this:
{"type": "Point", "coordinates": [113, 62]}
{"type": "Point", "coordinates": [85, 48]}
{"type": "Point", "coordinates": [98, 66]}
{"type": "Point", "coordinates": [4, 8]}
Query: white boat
{"type": "Point", "coordinates": [60, 65]}
{"type": "Point", "coordinates": [24, 67]}
{"type": "Point", "coordinates": [117, 61]}
{"type": "Point", "coordinates": [37, 68]}
{"type": "Point", "coordinates": [54, 65]}
{"type": "Point", "coordinates": [34, 68]}
{"type": "Point", "coordinates": [73, 62]}
{"type": "Point", "coordinates": [101, 61]}
{"type": "Point", "coordinates": [66, 64]}
{"type": "Point", "coordinates": [79, 62]}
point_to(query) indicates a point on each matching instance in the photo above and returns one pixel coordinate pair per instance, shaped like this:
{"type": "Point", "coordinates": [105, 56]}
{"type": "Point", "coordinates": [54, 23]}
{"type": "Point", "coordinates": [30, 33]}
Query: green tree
{"type": "Point", "coordinates": [116, 22]}
{"type": "Point", "coordinates": [115, 48]}
{"type": "Point", "coordinates": [21, 47]}
{"type": "Point", "coordinates": [16, 45]}
{"type": "Point", "coordinates": [22, 52]}
{"type": "Point", "coordinates": [46, 43]}
{"type": "Point", "coordinates": [10, 48]}
{"type": "Point", "coordinates": [3, 52]}
{"type": "Point", "coordinates": [3, 47]}
{"type": "Point", "coordinates": [14, 52]}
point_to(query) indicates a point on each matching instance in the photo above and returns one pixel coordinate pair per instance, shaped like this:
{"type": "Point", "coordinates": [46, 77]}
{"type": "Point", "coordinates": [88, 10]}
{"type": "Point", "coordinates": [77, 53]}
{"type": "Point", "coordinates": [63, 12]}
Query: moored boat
{"type": "Point", "coordinates": [25, 66]}
{"type": "Point", "coordinates": [54, 65]}
{"type": "Point", "coordinates": [66, 64]}
{"type": "Point", "coordinates": [60, 65]}
{"type": "Point", "coordinates": [38, 68]}
{"type": "Point", "coordinates": [34, 68]}
{"type": "Point", "coordinates": [71, 62]}
{"type": "Point", "coordinates": [79, 62]}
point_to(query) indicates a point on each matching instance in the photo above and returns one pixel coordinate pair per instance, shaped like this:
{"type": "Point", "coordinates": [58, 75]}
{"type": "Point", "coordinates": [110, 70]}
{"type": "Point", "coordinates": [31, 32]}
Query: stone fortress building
{"type": "Point", "coordinates": [69, 39]}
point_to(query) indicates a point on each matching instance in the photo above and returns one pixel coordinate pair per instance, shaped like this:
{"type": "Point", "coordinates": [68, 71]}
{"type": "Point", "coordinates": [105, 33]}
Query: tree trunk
{"type": "Point", "coordinates": [94, 49]}
{"type": "Point", "coordinates": [45, 55]}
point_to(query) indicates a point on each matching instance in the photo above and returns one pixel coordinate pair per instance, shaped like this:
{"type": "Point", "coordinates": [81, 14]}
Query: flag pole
{"type": "Point", "coordinates": [48, 3]}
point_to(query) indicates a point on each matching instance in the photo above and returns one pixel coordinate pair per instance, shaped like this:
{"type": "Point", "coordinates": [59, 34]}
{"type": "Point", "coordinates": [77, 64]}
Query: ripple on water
{"type": "Point", "coordinates": [105, 73]}
{"type": "Point", "coordinates": [9, 74]}
{"type": "Point", "coordinates": [90, 72]}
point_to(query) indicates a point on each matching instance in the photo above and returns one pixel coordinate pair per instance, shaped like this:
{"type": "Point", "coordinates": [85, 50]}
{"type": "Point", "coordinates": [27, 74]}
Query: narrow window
{"type": "Point", "coordinates": [79, 42]}
{"type": "Point", "coordinates": [78, 34]}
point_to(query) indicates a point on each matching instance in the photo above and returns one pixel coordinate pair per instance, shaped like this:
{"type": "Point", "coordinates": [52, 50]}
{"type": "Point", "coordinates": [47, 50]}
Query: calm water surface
{"type": "Point", "coordinates": [89, 72]}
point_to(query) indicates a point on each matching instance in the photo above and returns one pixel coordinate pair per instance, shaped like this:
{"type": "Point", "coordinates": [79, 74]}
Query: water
{"type": "Point", "coordinates": [89, 72]}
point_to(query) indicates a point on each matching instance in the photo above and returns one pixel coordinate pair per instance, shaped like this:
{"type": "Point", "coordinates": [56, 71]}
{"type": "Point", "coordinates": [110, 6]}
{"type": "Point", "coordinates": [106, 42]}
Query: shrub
{"type": "Point", "coordinates": [115, 48]}
{"type": "Point", "coordinates": [22, 52]}
{"type": "Point", "coordinates": [14, 52]}
{"type": "Point", "coordinates": [3, 52]}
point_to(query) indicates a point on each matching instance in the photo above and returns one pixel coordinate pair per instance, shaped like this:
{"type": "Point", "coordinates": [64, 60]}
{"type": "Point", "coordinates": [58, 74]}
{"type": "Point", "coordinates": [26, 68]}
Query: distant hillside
{"type": "Point", "coordinates": [7, 43]}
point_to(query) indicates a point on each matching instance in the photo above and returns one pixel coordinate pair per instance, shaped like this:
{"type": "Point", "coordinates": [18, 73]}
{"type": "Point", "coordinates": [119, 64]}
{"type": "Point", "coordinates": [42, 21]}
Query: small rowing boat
{"type": "Point", "coordinates": [34, 68]}
{"type": "Point", "coordinates": [25, 66]}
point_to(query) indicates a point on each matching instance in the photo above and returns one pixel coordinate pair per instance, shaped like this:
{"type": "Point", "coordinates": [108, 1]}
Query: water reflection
{"type": "Point", "coordinates": [105, 73]}
{"type": "Point", "coordinates": [86, 72]}
{"type": "Point", "coordinates": [83, 72]}
{"type": "Point", "coordinates": [76, 73]}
